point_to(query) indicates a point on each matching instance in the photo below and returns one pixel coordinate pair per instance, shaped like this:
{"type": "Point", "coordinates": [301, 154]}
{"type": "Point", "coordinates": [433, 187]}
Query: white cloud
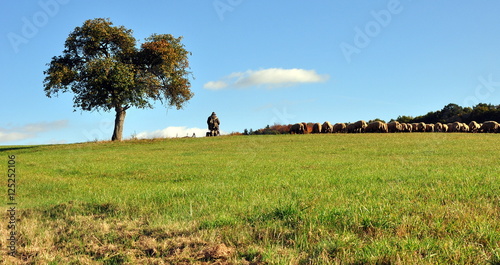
{"type": "Point", "coordinates": [45, 126]}
{"type": "Point", "coordinates": [270, 78]}
{"type": "Point", "coordinates": [13, 136]}
{"type": "Point", "coordinates": [173, 131]}
{"type": "Point", "coordinates": [215, 85]}
{"type": "Point", "coordinates": [30, 130]}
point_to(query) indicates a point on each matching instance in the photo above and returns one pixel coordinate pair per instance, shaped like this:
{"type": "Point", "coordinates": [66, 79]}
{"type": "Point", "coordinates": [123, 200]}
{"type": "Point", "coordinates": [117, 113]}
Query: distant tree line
{"type": "Point", "coordinates": [450, 113]}
{"type": "Point", "coordinates": [269, 129]}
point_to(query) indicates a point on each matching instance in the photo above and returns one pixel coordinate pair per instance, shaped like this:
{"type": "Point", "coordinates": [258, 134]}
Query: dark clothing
{"type": "Point", "coordinates": [213, 123]}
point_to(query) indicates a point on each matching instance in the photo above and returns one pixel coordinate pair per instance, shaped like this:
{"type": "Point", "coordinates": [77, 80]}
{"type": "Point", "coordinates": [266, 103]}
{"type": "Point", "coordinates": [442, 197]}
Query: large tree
{"type": "Point", "coordinates": [105, 70]}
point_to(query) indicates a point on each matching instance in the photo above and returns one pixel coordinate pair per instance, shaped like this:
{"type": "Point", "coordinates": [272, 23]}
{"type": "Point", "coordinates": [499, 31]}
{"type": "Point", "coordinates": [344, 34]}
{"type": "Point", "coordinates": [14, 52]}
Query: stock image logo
{"type": "Point", "coordinates": [223, 6]}
{"type": "Point", "coordinates": [363, 36]}
{"type": "Point", "coordinates": [482, 91]}
{"type": "Point", "coordinates": [32, 25]}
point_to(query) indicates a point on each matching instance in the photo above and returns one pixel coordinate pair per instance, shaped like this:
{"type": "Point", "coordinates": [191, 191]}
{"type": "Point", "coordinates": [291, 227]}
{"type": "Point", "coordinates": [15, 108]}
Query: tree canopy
{"type": "Point", "coordinates": [452, 112]}
{"type": "Point", "coordinates": [104, 69]}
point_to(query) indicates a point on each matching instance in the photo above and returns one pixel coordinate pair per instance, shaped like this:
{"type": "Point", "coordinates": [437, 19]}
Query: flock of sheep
{"type": "Point", "coordinates": [394, 126]}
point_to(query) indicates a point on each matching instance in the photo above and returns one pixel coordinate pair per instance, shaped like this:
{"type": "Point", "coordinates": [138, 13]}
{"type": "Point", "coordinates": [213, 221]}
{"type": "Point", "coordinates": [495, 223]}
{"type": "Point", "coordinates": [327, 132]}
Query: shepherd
{"type": "Point", "coordinates": [213, 125]}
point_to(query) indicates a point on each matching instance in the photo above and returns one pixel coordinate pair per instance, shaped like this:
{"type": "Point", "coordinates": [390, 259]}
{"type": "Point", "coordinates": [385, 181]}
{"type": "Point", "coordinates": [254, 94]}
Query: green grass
{"type": "Point", "coordinates": [287, 199]}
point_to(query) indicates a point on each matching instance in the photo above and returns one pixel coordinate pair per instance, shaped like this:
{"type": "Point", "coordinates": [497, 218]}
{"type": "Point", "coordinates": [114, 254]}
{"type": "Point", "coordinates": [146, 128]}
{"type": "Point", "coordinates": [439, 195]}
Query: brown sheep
{"type": "Point", "coordinates": [297, 128]}
{"type": "Point", "coordinates": [339, 127]}
{"type": "Point", "coordinates": [376, 127]}
{"type": "Point", "coordinates": [306, 129]}
{"type": "Point", "coordinates": [327, 127]}
{"type": "Point", "coordinates": [394, 127]}
{"type": "Point", "coordinates": [455, 127]}
{"type": "Point", "coordinates": [438, 127]}
{"type": "Point", "coordinates": [316, 128]}
{"type": "Point", "coordinates": [421, 127]}
{"type": "Point", "coordinates": [410, 127]}
{"type": "Point", "coordinates": [359, 126]}
{"type": "Point", "coordinates": [464, 128]}
{"type": "Point", "coordinates": [474, 127]}
{"type": "Point", "coordinates": [490, 127]}
{"type": "Point", "coordinates": [351, 128]}
{"type": "Point", "coordinates": [407, 127]}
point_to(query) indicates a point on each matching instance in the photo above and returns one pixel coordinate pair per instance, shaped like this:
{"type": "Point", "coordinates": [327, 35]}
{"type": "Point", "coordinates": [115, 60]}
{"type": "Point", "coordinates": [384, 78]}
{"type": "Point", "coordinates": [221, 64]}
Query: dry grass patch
{"type": "Point", "coordinates": [69, 234]}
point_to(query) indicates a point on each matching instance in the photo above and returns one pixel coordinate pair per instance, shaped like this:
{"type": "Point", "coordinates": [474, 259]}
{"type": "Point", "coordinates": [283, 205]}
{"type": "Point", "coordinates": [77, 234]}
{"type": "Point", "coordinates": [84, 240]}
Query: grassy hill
{"type": "Point", "coordinates": [299, 199]}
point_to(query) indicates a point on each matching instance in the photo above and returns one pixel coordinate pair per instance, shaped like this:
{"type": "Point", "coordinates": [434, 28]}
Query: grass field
{"type": "Point", "coordinates": [288, 199]}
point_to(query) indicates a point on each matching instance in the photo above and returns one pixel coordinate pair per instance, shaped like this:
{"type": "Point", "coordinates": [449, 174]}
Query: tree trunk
{"type": "Point", "coordinates": [119, 120]}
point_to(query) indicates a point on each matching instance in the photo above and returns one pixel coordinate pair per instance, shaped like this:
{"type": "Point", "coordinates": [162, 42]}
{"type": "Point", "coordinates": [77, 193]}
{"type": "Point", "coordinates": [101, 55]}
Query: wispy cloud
{"type": "Point", "coordinates": [269, 78]}
{"type": "Point", "coordinates": [173, 131]}
{"type": "Point", "coordinates": [30, 130]}
{"type": "Point", "coordinates": [13, 136]}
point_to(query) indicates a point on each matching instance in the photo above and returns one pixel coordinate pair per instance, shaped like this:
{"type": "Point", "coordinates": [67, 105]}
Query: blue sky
{"type": "Point", "coordinates": [260, 62]}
